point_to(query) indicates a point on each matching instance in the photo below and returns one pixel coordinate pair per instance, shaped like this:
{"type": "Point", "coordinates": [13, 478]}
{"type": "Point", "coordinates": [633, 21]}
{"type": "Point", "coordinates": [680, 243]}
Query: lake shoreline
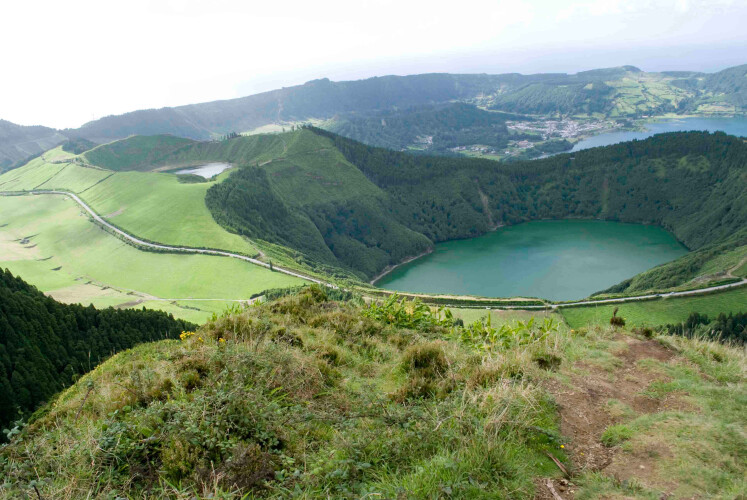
{"type": "Point", "coordinates": [568, 257]}
{"type": "Point", "coordinates": [388, 269]}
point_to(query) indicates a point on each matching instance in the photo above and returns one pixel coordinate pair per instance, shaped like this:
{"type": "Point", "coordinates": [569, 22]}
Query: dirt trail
{"type": "Point", "coordinates": [585, 413]}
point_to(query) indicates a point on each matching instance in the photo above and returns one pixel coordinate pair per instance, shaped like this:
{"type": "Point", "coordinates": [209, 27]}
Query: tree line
{"type": "Point", "coordinates": [45, 345]}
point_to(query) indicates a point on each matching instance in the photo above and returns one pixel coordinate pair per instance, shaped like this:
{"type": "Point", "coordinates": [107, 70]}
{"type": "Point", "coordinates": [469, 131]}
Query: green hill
{"type": "Point", "coordinates": [47, 241]}
{"type": "Point", "coordinates": [154, 206]}
{"type": "Point", "coordinates": [691, 183]}
{"type": "Point", "coordinates": [356, 108]}
{"type": "Point", "coordinates": [135, 153]}
{"type": "Point", "coordinates": [18, 143]}
{"type": "Point", "coordinates": [624, 91]}
{"type": "Point", "coordinates": [45, 345]}
{"type": "Point", "coordinates": [315, 200]}
{"type": "Point", "coordinates": [306, 397]}
{"type": "Point", "coordinates": [359, 208]}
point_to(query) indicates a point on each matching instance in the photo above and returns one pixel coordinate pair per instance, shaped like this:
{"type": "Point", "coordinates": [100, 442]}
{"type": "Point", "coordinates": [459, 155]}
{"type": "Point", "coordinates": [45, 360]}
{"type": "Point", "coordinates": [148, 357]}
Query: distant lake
{"type": "Point", "coordinates": [733, 126]}
{"type": "Point", "coordinates": [207, 171]}
{"type": "Point", "coordinates": [556, 260]}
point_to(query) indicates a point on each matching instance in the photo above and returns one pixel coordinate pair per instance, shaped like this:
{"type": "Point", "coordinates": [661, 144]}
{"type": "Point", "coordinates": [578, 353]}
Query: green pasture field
{"type": "Point", "coordinates": [660, 311]}
{"type": "Point", "coordinates": [153, 206]}
{"type": "Point", "coordinates": [28, 177]}
{"type": "Point", "coordinates": [502, 316]}
{"type": "Point", "coordinates": [49, 242]}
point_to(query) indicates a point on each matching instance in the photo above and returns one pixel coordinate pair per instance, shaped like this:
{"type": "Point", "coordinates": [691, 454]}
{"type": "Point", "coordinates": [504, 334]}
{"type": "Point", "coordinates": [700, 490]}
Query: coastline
{"type": "Point", "coordinates": [388, 269]}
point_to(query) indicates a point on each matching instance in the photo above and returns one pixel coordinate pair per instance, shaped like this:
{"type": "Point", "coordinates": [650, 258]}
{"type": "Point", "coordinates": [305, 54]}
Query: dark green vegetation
{"type": "Point", "coordinates": [586, 95]}
{"type": "Point", "coordinates": [342, 204]}
{"type": "Point", "coordinates": [727, 86]}
{"type": "Point", "coordinates": [301, 396]}
{"type": "Point", "coordinates": [727, 328]}
{"type": "Point", "coordinates": [77, 145]}
{"type": "Point", "coordinates": [437, 128]}
{"type": "Point", "coordinates": [45, 345]}
{"type": "Point", "coordinates": [690, 183]}
{"type": "Point", "coordinates": [309, 398]}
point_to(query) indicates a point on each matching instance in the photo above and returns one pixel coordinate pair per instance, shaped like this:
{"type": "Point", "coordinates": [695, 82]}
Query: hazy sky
{"type": "Point", "coordinates": [66, 62]}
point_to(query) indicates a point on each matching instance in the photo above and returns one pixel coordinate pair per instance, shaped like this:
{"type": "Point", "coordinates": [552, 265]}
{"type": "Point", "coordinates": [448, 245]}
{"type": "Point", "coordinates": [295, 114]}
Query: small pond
{"type": "Point", "coordinates": [207, 171]}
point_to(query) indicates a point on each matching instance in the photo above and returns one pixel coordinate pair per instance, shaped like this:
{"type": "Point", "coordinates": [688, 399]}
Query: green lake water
{"type": "Point", "coordinates": [556, 260]}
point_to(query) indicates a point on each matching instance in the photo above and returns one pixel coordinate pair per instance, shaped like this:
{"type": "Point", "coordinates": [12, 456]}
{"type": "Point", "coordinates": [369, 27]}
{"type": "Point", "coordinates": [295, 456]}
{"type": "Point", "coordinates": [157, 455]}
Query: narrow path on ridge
{"type": "Point", "coordinates": [99, 220]}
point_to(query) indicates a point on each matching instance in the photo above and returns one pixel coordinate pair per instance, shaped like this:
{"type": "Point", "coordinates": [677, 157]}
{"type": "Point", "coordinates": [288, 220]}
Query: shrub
{"type": "Point", "coordinates": [426, 360]}
{"type": "Point", "coordinates": [409, 314]}
{"type": "Point", "coordinates": [616, 320]}
{"type": "Point", "coordinates": [644, 332]}
{"type": "Point", "coordinates": [482, 335]}
{"type": "Point", "coordinates": [547, 361]}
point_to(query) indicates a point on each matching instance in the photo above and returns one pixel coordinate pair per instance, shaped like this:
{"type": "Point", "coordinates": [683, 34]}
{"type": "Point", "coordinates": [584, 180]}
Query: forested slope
{"type": "Point", "coordinates": [435, 127]}
{"type": "Point", "coordinates": [44, 344]}
{"type": "Point", "coordinates": [341, 203]}
{"type": "Point", "coordinates": [690, 183]}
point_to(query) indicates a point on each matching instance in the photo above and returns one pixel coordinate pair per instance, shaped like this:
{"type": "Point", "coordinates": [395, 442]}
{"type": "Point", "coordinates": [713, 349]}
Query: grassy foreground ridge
{"type": "Point", "coordinates": [304, 397]}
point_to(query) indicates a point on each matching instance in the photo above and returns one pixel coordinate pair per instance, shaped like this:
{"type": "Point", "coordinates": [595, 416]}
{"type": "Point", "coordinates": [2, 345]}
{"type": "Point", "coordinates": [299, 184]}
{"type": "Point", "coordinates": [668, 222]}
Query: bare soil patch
{"type": "Point", "coordinates": [585, 412]}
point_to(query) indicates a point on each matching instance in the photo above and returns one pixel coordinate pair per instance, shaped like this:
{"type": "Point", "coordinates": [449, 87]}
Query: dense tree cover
{"type": "Point", "coordinates": [436, 128]}
{"type": "Point", "coordinates": [550, 97]}
{"type": "Point", "coordinates": [359, 234]}
{"type": "Point", "coordinates": [77, 145]}
{"type": "Point", "coordinates": [44, 344]}
{"type": "Point", "coordinates": [360, 208]}
{"type": "Point", "coordinates": [690, 183]}
{"type": "Point", "coordinates": [731, 328]}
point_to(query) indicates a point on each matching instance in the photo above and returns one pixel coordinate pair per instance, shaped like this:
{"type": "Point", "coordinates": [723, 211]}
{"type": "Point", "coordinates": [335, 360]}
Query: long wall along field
{"type": "Point", "coordinates": [49, 240]}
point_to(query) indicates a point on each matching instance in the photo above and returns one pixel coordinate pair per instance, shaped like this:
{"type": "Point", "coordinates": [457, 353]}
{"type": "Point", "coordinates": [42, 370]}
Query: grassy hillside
{"type": "Point", "coordinates": [309, 398]}
{"type": "Point", "coordinates": [658, 312]}
{"type": "Point", "coordinates": [154, 206]}
{"type": "Point", "coordinates": [135, 153]}
{"type": "Point", "coordinates": [52, 245]}
{"type": "Point", "coordinates": [342, 204]}
{"type": "Point", "coordinates": [45, 345]}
